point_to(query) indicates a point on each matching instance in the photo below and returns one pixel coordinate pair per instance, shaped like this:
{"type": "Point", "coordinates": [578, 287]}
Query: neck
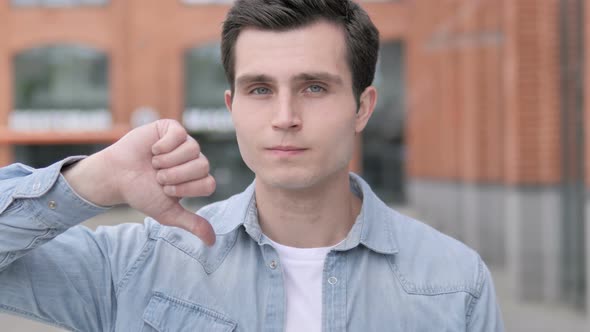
{"type": "Point", "coordinates": [319, 216]}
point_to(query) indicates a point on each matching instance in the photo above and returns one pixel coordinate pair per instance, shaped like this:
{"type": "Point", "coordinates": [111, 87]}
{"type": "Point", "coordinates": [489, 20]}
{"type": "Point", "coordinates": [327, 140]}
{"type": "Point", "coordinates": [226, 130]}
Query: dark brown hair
{"type": "Point", "coordinates": [362, 37]}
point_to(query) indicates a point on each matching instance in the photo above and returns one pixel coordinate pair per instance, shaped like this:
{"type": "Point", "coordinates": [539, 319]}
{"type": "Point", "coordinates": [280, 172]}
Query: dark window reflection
{"type": "Point", "coordinates": [44, 155]}
{"type": "Point", "coordinates": [207, 118]}
{"type": "Point", "coordinates": [383, 139]}
{"type": "Point", "coordinates": [59, 88]}
{"type": "Point", "coordinates": [61, 77]}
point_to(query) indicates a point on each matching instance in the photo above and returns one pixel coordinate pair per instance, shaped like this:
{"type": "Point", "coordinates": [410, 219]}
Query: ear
{"type": "Point", "coordinates": [228, 100]}
{"type": "Point", "coordinates": [367, 104]}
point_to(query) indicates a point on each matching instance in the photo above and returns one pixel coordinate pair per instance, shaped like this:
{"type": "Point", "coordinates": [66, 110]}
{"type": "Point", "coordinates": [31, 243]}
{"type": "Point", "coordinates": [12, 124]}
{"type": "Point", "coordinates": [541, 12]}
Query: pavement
{"type": "Point", "coordinates": [518, 316]}
{"type": "Point", "coordinates": [539, 317]}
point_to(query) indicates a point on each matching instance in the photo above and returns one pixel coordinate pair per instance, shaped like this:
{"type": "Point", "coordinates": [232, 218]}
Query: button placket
{"type": "Point", "coordinates": [274, 318]}
{"type": "Point", "coordinates": [335, 292]}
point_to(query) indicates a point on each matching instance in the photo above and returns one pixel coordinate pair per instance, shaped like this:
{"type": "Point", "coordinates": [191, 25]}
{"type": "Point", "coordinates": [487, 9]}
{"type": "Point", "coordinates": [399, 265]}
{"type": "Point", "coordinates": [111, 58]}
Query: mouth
{"type": "Point", "coordinates": [285, 151]}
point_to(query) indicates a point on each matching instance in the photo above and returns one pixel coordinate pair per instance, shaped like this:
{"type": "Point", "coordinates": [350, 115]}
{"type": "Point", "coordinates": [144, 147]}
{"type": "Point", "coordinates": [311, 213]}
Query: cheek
{"type": "Point", "coordinates": [244, 136]}
{"type": "Point", "coordinates": [246, 149]}
{"type": "Point", "coordinates": [338, 139]}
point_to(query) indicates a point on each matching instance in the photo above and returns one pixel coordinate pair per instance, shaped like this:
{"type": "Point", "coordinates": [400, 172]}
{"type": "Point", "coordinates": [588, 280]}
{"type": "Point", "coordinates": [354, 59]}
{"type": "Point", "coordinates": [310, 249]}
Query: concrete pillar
{"type": "Point", "coordinates": [533, 229]}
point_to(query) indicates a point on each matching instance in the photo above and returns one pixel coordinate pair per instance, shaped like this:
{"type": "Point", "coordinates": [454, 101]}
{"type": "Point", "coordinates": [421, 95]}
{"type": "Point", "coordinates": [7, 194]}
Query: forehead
{"type": "Point", "coordinates": [319, 47]}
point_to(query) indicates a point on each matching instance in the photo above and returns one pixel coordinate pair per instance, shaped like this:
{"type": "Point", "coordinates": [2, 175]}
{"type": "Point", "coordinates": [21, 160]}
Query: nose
{"type": "Point", "coordinates": [286, 115]}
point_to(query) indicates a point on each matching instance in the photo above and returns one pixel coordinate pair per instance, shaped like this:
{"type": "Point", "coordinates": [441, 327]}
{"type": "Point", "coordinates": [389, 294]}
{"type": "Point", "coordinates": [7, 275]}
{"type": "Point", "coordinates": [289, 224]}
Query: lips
{"type": "Point", "coordinates": [286, 148]}
{"type": "Point", "coordinates": [286, 151]}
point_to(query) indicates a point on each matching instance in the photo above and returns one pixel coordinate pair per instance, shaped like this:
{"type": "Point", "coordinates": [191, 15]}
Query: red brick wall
{"type": "Point", "coordinates": [4, 64]}
{"type": "Point", "coordinates": [533, 140]}
{"type": "Point", "coordinates": [484, 91]}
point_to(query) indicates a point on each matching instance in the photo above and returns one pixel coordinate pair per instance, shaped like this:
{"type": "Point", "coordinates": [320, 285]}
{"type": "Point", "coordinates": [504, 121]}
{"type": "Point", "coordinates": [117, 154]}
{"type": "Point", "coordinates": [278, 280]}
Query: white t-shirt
{"type": "Point", "coordinates": [303, 273]}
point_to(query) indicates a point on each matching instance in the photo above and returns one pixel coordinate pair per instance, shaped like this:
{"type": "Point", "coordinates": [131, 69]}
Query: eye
{"type": "Point", "coordinates": [260, 91]}
{"type": "Point", "coordinates": [315, 89]}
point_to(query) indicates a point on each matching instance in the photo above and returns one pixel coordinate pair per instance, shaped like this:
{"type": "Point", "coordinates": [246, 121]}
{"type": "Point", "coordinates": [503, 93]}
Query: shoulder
{"type": "Point", "coordinates": [430, 262]}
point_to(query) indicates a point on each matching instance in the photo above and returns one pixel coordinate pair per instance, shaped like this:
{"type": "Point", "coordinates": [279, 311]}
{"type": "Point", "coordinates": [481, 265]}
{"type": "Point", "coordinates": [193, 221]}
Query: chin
{"type": "Point", "coordinates": [289, 180]}
{"type": "Point", "coordinates": [301, 179]}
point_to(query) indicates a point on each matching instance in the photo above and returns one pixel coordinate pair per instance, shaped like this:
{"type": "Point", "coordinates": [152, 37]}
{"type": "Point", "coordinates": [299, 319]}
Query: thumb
{"type": "Point", "coordinates": [178, 216]}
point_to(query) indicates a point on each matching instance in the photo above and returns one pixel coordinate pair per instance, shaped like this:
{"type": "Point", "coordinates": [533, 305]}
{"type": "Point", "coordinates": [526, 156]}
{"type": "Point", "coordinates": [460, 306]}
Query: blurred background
{"type": "Point", "coordinates": [479, 130]}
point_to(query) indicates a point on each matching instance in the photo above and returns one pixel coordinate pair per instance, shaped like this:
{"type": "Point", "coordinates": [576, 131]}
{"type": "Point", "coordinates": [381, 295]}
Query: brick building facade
{"type": "Point", "coordinates": [488, 85]}
{"type": "Point", "coordinates": [145, 42]}
{"type": "Point", "coordinates": [496, 87]}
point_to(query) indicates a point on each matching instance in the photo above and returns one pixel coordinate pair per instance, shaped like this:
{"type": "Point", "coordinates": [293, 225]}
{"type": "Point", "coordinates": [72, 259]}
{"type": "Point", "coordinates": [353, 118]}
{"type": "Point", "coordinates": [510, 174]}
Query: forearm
{"type": "Point", "coordinates": [50, 270]}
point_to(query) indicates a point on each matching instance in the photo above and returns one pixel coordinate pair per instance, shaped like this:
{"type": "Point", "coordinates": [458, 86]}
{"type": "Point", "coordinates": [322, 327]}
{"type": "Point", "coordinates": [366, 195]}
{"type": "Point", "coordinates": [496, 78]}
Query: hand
{"type": "Point", "coordinates": [150, 169]}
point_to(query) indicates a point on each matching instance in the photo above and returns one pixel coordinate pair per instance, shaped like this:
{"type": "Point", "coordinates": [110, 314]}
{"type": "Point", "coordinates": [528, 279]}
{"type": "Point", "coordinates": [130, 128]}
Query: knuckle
{"type": "Point", "coordinates": [161, 177]}
{"type": "Point", "coordinates": [206, 168]}
{"type": "Point", "coordinates": [193, 142]}
{"type": "Point", "coordinates": [200, 168]}
{"type": "Point", "coordinates": [156, 162]}
{"type": "Point", "coordinates": [177, 191]}
{"type": "Point", "coordinates": [195, 149]}
{"type": "Point", "coordinates": [169, 176]}
{"type": "Point", "coordinates": [210, 185]}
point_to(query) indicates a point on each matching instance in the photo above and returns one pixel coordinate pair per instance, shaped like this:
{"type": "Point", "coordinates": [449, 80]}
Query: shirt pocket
{"type": "Point", "coordinates": [168, 314]}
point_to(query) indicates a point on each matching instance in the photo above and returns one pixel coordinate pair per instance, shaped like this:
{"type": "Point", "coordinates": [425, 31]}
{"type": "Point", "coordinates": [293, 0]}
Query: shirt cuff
{"type": "Point", "coordinates": [52, 199]}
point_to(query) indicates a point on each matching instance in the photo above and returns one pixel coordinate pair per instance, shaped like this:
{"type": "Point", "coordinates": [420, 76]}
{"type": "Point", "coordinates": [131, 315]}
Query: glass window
{"type": "Point", "coordinates": [207, 118]}
{"type": "Point", "coordinates": [58, 3]}
{"type": "Point", "coordinates": [62, 87]}
{"type": "Point", "coordinates": [59, 88]}
{"type": "Point", "coordinates": [383, 139]}
{"type": "Point", "coordinates": [39, 156]}
{"type": "Point", "coordinates": [205, 84]}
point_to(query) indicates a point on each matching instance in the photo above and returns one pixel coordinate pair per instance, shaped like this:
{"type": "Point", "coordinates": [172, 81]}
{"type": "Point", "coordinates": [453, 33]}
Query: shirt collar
{"type": "Point", "coordinates": [373, 227]}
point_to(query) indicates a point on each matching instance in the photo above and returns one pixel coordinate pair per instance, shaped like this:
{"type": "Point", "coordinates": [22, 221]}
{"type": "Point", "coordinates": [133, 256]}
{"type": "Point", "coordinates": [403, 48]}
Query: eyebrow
{"type": "Point", "coordinates": [303, 77]}
{"type": "Point", "coordinates": [319, 76]}
{"type": "Point", "coordinates": [253, 78]}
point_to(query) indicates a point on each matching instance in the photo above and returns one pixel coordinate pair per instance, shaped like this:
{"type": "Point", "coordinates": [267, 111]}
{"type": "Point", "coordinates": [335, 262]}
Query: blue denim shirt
{"type": "Point", "coordinates": [391, 273]}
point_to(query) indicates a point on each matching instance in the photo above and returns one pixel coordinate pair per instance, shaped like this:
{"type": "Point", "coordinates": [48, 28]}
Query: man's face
{"type": "Point", "coordinates": [293, 106]}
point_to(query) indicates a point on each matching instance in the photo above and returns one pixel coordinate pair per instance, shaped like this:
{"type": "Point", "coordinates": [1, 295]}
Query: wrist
{"type": "Point", "coordinates": [92, 179]}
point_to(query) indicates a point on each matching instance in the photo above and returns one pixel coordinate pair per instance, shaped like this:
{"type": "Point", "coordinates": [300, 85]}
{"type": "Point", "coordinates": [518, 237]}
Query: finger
{"type": "Point", "coordinates": [197, 188]}
{"type": "Point", "coordinates": [171, 134]}
{"type": "Point", "coordinates": [193, 170]}
{"type": "Point", "coordinates": [178, 216]}
{"type": "Point", "coordinates": [187, 151]}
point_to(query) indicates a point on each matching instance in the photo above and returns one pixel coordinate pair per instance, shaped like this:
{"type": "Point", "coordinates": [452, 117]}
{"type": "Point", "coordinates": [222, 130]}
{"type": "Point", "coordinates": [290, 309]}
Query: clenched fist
{"type": "Point", "coordinates": [150, 169]}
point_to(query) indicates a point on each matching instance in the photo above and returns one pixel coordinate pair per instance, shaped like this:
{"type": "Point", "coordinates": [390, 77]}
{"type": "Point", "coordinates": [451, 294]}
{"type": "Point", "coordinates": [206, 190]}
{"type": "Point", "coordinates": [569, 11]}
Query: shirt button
{"type": "Point", "coordinates": [52, 205]}
{"type": "Point", "coordinates": [273, 264]}
{"type": "Point", "coordinates": [332, 280]}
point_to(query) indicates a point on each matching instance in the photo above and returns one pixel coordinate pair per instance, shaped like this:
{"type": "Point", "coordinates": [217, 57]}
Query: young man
{"type": "Point", "coordinates": [307, 247]}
